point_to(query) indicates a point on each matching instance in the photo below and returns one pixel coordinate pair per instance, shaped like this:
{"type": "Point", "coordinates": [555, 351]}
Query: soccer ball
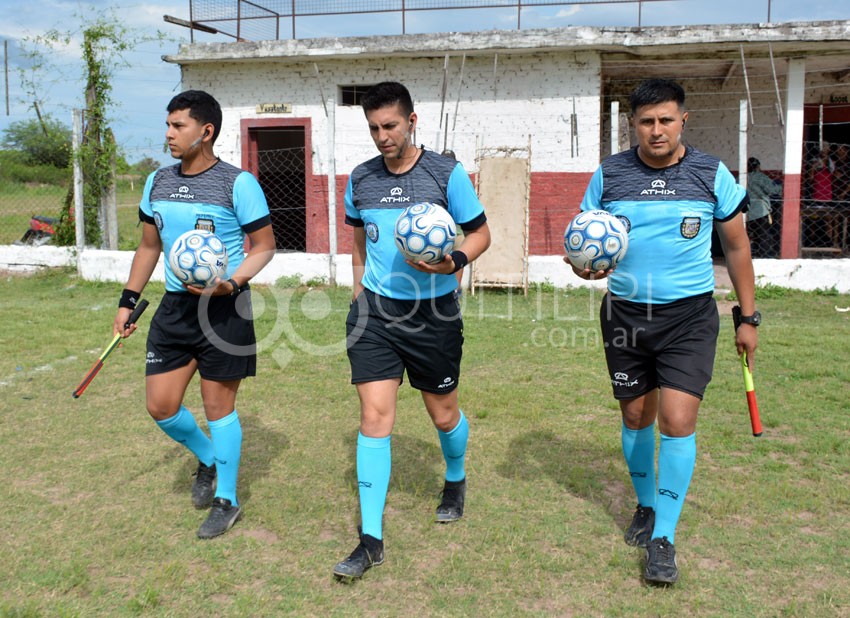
{"type": "Point", "coordinates": [198, 257]}
{"type": "Point", "coordinates": [596, 239]}
{"type": "Point", "coordinates": [425, 232]}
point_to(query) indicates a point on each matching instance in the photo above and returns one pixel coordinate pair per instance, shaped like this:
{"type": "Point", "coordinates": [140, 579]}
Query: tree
{"type": "Point", "coordinates": [46, 142]}
{"type": "Point", "coordinates": [104, 42]}
{"type": "Point", "coordinates": [146, 166]}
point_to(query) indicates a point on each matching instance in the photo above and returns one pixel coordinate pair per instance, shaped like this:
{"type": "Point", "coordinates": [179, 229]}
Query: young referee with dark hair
{"type": "Point", "coordinates": [206, 330]}
{"type": "Point", "coordinates": [405, 316]}
{"type": "Point", "coordinates": [659, 318]}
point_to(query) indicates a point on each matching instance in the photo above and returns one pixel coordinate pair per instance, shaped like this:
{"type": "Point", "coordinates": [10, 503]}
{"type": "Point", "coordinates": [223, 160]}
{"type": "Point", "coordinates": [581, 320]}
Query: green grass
{"type": "Point", "coordinates": [18, 202]}
{"type": "Point", "coordinates": [98, 521]}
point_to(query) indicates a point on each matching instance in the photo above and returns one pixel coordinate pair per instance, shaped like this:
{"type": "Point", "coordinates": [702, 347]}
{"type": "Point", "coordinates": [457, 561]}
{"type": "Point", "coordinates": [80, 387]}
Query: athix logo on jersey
{"type": "Point", "coordinates": [690, 227]}
{"type": "Point", "coordinates": [182, 194]}
{"type": "Point", "coordinates": [151, 359]}
{"type": "Point", "coordinates": [395, 197]}
{"type": "Point", "coordinates": [622, 379]}
{"type": "Point", "coordinates": [659, 187]}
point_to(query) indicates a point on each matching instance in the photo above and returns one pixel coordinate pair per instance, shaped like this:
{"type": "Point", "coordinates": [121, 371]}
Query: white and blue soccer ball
{"type": "Point", "coordinates": [425, 232]}
{"type": "Point", "coordinates": [198, 257]}
{"type": "Point", "coordinates": [596, 239]}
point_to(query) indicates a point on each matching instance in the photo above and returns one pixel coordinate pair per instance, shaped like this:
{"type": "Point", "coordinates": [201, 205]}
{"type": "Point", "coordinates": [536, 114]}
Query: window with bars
{"type": "Point", "coordinates": [351, 95]}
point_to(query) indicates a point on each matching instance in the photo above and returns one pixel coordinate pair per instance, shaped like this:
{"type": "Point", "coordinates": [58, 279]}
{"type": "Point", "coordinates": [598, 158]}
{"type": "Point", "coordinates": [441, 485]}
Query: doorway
{"type": "Point", "coordinates": [277, 154]}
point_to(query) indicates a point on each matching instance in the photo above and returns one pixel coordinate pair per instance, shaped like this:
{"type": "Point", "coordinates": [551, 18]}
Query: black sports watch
{"type": "Point", "coordinates": [752, 320]}
{"type": "Point", "coordinates": [236, 289]}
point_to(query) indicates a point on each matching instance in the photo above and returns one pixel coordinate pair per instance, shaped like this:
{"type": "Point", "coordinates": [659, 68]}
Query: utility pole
{"type": "Point", "coordinates": [6, 71]}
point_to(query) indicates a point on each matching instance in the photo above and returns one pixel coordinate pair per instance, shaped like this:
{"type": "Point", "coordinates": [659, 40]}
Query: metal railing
{"type": "Point", "coordinates": [252, 20]}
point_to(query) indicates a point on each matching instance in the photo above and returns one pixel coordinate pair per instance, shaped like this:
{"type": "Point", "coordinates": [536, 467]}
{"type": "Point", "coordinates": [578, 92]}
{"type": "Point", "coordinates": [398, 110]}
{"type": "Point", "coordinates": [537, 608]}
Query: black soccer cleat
{"type": "Point", "coordinates": [451, 506]}
{"type": "Point", "coordinates": [661, 566]}
{"type": "Point", "coordinates": [221, 519]}
{"type": "Point", "coordinates": [203, 487]}
{"type": "Point", "coordinates": [368, 553]}
{"type": "Point", "coordinates": [640, 530]}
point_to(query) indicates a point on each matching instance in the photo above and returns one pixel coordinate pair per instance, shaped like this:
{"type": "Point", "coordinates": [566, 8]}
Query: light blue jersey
{"type": "Point", "coordinates": [223, 199]}
{"type": "Point", "coordinates": [669, 213]}
{"type": "Point", "coordinates": [375, 198]}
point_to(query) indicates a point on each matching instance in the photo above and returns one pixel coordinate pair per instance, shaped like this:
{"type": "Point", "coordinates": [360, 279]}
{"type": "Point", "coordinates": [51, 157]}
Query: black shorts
{"type": "Point", "coordinates": [385, 337]}
{"type": "Point", "coordinates": [217, 331]}
{"type": "Point", "coordinates": [671, 345]}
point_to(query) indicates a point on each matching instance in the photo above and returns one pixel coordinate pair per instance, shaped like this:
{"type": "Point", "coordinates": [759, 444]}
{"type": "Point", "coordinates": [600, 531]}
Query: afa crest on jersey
{"type": "Point", "coordinates": [690, 227]}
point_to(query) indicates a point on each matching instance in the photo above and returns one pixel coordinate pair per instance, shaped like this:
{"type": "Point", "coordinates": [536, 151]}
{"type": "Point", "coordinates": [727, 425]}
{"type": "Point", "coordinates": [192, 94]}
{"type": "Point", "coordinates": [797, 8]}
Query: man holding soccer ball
{"type": "Point", "coordinates": [659, 319]}
{"type": "Point", "coordinates": [208, 329]}
{"type": "Point", "coordinates": [405, 315]}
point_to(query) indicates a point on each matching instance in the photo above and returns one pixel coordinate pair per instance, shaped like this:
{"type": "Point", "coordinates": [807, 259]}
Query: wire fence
{"type": "Point", "coordinates": [281, 175]}
{"type": "Point", "coordinates": [825, 195]}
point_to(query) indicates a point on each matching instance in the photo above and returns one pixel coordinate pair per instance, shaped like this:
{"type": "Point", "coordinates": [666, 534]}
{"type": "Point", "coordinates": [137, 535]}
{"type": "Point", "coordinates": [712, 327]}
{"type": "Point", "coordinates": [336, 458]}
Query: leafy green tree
{"type": "Point", "coordinates": [42, 143]}
{"type": "Point", "coordinates": [145, 166]}
{"type": "Point", "coordinates": [105, 41]}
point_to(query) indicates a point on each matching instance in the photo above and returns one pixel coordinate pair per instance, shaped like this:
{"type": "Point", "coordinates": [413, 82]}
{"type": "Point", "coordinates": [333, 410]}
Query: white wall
{"type": "Point", "coordinates": [99, 265]}
{"type": "Point", "coordinates": [529, 94]}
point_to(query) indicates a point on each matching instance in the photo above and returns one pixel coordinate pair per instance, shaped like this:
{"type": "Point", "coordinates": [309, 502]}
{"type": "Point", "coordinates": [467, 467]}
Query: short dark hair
{"type": "Point", "coordinates": [654, 91]}
{"type": "Point", "coordinates": [753, 164]}
{"type": "Point", "coordinates": [202, 107]}
{"type": "Point", "coordinates": [386, 94]}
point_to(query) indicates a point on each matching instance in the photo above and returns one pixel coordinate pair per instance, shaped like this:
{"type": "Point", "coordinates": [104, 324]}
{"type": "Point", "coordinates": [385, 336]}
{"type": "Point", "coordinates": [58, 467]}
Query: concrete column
{"type": "Point", "coordinates": [795, 99]}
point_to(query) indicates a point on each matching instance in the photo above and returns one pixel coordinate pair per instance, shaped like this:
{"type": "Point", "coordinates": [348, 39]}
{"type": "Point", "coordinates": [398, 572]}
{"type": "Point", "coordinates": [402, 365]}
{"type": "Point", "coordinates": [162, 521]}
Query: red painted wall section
{"type": "Point", "coordinates": [555, 198]}
{"type": "Point", "coordinates": [344, 232]}
{"type": "Point", "coordinates": [317, 216]}
{"type": "Point", "coordinates": [790, 242]}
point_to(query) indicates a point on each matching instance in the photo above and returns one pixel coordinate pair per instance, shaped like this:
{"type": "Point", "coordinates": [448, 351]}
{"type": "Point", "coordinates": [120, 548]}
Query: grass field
{"type": "Point", "coordinates": [97, 519]}
{"type": "Point", "coordinates": [19, 202]}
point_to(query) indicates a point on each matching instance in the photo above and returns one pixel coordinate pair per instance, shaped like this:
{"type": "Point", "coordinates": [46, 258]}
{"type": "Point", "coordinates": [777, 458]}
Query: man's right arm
{"type": "Point", "coordinates": [144, 262]}
{"type": "Point", "coordinates": [358, 260]}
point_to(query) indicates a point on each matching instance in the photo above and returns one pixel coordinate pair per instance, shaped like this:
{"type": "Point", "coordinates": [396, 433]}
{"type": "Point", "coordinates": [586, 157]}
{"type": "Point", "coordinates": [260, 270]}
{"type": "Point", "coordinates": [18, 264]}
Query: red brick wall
{"type": "Point", "coordinates": [317, 216]}
{"type": "Point", "coordinates": [790, 241]}
{"type": "Point", "coordinates": [555, 197]}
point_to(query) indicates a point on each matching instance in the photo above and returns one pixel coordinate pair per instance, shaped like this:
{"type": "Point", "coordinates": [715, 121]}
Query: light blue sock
{"type": "Point", "coordinates": [183, 428]}
{"type": "Point", "coordinates": [639, 451]}
{"type": "Point", "coordinates": [374, 462]}
{"type": "Point", "coordinates": [227, 441]}
{"type": "Point", "coordinates": [676, 460]}
{"type": "Point", "coordinates": [453, 444]}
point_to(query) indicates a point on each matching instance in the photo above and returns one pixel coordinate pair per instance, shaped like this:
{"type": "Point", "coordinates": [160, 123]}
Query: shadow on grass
{"type": "Point", "coordinates": [261, 445]}
{"type": "Point", "coordinates": [587, 470]}
{"type": "Point", "coordinates": [417, 465]}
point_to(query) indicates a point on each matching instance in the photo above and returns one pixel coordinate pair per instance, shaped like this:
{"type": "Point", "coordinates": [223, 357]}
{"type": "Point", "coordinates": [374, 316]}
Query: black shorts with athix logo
{"type": "Point", "coordinates": [653, 345]}
{"type": "Point", "coordinates": [217, 331]}
{"type": "Point", "coordinates": [386, 337]}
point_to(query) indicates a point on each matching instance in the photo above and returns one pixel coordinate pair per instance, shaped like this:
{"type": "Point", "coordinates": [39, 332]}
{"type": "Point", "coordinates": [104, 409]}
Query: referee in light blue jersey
{"type": "Point", "coordinates": [659, 318]}
{"type": "Point", "coordinates": [405, 316]}
{"type": "Point", "coordinates": [205, 330]}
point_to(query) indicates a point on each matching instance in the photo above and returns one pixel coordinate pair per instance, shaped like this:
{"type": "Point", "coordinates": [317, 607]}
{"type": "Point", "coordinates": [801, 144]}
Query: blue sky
{"type": "Point", "coordinates": [142, 89]}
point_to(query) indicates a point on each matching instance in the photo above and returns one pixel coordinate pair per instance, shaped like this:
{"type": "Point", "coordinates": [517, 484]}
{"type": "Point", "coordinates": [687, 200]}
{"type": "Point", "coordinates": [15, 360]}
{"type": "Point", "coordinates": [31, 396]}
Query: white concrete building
{"type": "Point", "coordinates": [548, 91]}
{"type": "Point", "coordinates": [290, 116]}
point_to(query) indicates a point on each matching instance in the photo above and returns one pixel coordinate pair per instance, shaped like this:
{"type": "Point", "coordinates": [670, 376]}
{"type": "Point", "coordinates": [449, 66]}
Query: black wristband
{"type": "Point", "coordinates": [460, 260]}
{"type": "Point", "coordinates": [129, 299]}
{"type": "Point", "coordinates": [236, 288]}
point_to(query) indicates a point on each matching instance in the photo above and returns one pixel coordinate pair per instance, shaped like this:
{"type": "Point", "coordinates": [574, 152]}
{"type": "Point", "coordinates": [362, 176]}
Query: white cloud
{"type": "Point", "coordinates": [568, 12]}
